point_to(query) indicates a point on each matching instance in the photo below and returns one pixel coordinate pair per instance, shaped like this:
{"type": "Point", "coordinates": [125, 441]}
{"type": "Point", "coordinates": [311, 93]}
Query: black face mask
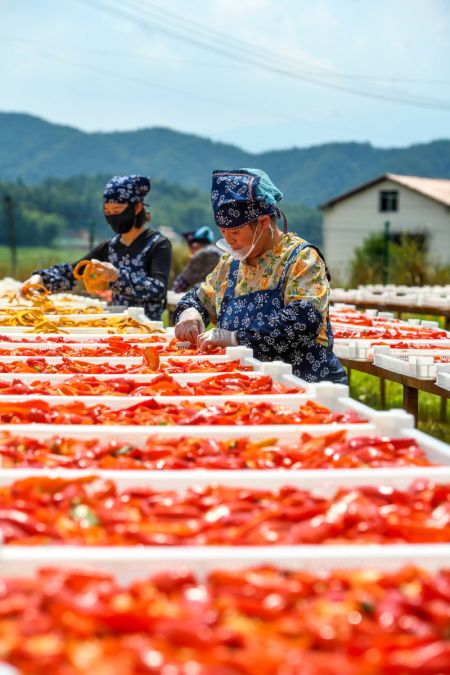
{"type": "Point", "coordinates": [122, 222]}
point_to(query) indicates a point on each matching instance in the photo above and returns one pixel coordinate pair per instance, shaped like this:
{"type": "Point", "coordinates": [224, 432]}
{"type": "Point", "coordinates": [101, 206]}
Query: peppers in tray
{"type": "Point", "coordinates": [73, 365]}
{"type": "Point", "coordinates": [68, 338]}
{"type": "Point", "coordinates": [114, 345]}
{"type": "Point", "coordinates": [40, 323]}
{"type": "Point", "coordinates": [389, 333]}
{"type": "Point", "coordinates": [333, 450]}
{"type": "Point", "coordinates": [410, 345]}
{"type": "Point", "coordinates": [258, 620]}
{"type": "Point", "coordinates": [121, 349]}
{"type": "Point", "coordinates": [90, 511]}
{"type": "Point", "coordinates": [150, 412]}
{"type": "Point", "coordinates": [160, 385]}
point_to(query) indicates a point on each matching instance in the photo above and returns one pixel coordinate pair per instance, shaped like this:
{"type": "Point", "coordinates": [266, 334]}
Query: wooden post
{"type": "Point", "coordinates": [91, 234]}
{"type": "Point", "coordinates": [411, 401]}
{"type": "Point", "coordinates": [382, 393]}
{"type": "Point", "coordinates": [443, 411]}
{"type": "Point", "coordinates": [387, 225]}
{"type": "Point", "coordinates": [11, 232]}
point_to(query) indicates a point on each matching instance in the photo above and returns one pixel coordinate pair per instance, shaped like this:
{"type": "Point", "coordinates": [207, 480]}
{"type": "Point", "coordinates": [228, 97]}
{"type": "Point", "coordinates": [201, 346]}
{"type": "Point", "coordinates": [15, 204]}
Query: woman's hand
{"type": "Point", "coordinates": [217, 337]}
{"type": "Point", "coordinates": [34, 280]}
{"type": "Point", "coordinates": [105, 271]}
{"type": "Point", "coordinates": [190, 325]}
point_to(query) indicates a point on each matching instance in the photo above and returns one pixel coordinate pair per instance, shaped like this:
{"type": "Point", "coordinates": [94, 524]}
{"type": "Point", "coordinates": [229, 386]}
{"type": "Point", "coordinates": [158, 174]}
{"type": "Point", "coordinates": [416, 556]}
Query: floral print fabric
{"type": "Point", "coordinates": [278, 308]}
{"type": "Point", "coordinates": [126, 189]}
{"type": "Point", "coordinates": [240, 196]}
{"type": "Point", "coordinates": [133, 287]}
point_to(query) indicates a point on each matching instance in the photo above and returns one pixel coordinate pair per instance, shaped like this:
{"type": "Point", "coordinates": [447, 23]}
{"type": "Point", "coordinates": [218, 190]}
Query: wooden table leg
{"type": "Point", "coordinates": [382, 393]}
{"type": "Point", "coordinates": [443, 411]}
{"type": "Point", "coordinates": [349, 377]}
{"type": "Point", "coordinates": [411, 401]}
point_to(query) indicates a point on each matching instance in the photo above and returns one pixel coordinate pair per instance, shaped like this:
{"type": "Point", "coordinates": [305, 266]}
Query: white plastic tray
{"type": "Point", "coordinates": [92, 346]}
{"type": "Point", "coordinates": [136, 312]}
{"type": "Point", "coordinates": [129, 563]}
{"type": "Point", "coordinates": [345, 310]}
{"type": "Point", "coordinates": [64, 308]}
{"type": "Point", "coordinates": [231, 353]}
{"type": "Point", "coordinates": [331, 396]}
{"type": "Point", "coordinates": [82, 331]}
{"type": "Point", "coordinates": [174, 298]}
{"type": "Point", "coordinates": [87, 336]}
{"type": "Point", "coordinates": [390, 423]}
{"type": "Point", "coordinates": [133, 312]}
{"type": "Point", "coordinates": [443, 377]}
{"type": "Point", "coordinates": [320, 481]}
{"type": "Point", "coordinates": [182, 378]}
{"type": "Point", "coordinates": [417, 296]}
{"type": "Point", "coordinates": [363, 350]}
{"type": "Point", "coordinates": [242, 354]}
{"type": "Point", "coordinates": [426, 327]}
{"type": "Point", "coordinates": [411, 364]}
{"type": "Point", "coordinates": [435, 450]}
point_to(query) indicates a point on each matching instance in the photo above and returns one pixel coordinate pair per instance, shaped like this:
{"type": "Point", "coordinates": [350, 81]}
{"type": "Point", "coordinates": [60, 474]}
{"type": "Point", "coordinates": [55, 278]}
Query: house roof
{"type": "Point", "coordinates": [437, 189]}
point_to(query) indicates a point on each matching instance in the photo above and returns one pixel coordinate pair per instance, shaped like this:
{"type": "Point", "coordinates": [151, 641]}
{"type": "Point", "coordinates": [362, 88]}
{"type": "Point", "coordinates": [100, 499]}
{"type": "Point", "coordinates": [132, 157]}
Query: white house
{"type": "Point", "coordinates": [408, 203]}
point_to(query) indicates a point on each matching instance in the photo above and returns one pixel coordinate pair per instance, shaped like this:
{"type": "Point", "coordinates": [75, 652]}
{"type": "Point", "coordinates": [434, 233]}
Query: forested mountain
{"type": "Point", "coordinates": [54, 209]}
{"type": "Point", "coordinates": [32, 149]}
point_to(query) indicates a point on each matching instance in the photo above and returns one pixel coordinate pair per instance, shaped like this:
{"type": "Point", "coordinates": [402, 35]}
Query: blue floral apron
{"type": "Point", "coordinates": [136, 265]}
{"type": "Point", "coordinates": [311, 361]}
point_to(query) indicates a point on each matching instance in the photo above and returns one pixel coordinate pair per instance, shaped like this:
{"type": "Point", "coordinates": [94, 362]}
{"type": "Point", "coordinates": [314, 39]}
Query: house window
{"type": "Point", "coordinates": [388, 200]}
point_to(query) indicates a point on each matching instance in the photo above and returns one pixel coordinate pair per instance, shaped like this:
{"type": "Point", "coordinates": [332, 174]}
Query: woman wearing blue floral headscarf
{"type": "Point", "coordinates": [135, 262]}
{"type": "Point", "coordinates": [269, 292]}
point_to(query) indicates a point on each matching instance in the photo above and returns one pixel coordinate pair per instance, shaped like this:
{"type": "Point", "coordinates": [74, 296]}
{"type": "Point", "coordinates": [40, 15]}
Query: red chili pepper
{"type": "Point", "coordinates": [391, 333]}
{"type": "Point", "coordinates": [150, 412]}
{"type": "Point", "coordinates": [78, 512]}
{"type": "Point", "coordinates": [234, 622]}
{"type": "Point", "coordinates": [310, 452]}
{"type": "Point", "coordinates": [161, 384]}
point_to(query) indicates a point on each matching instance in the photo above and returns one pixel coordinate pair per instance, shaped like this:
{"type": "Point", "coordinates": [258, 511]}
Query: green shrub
{"type": "Point", "coordinates": [409, 264]}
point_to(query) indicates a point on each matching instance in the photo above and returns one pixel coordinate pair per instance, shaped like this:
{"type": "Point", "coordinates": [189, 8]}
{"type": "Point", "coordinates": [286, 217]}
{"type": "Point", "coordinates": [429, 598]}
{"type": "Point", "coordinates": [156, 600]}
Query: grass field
{"type": "Point", "coordinates": [366, 388]}
{"type": "Point", "coordinates": [31, 258]}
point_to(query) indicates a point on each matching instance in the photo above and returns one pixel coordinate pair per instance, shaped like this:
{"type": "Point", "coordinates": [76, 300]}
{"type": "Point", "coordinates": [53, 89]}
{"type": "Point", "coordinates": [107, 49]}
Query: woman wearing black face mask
{"type": "Point", "coordinates": [135, 262]}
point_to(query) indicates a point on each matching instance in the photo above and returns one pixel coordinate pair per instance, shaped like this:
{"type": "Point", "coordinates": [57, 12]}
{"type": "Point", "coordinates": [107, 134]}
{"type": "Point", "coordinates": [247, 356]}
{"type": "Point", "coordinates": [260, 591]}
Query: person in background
{"type": "Point", "coordinates": [270, 292]}
{"type": "Point", "coordinates": [135, 262]}
{"type": "Point", "coordinates": [204, 257]}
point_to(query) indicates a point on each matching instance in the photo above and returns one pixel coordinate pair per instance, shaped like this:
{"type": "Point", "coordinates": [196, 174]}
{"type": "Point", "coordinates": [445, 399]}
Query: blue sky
{"type": "Point", "coordinates": [261, 74]}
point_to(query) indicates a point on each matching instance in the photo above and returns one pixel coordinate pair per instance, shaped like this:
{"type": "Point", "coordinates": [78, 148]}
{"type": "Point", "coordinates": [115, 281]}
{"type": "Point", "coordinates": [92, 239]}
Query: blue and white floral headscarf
{"type": "Point", "coordinates": [242, 195]}
{"type": "Point", "coordinates": [126, 189]}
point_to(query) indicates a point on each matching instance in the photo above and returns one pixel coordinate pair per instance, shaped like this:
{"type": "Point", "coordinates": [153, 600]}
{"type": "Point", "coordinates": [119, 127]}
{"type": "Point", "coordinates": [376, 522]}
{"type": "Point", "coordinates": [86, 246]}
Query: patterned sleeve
{"type": "Point", "coordinates": [58, 277]}
{"type": "Point", "coordinates": [206, 297]}
{"type": "Point", "coordinates": [307, 280]}
{"type": "Point", "coordinates": [303, 319]}
{"type": "Point", "coordinates": [189, 300]}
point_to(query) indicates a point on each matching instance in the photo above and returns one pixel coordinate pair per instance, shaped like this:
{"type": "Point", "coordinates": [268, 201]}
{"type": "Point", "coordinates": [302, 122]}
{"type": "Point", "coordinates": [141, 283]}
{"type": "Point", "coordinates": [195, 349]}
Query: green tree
{"type": "Point", "coordinates": [409, 263]}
